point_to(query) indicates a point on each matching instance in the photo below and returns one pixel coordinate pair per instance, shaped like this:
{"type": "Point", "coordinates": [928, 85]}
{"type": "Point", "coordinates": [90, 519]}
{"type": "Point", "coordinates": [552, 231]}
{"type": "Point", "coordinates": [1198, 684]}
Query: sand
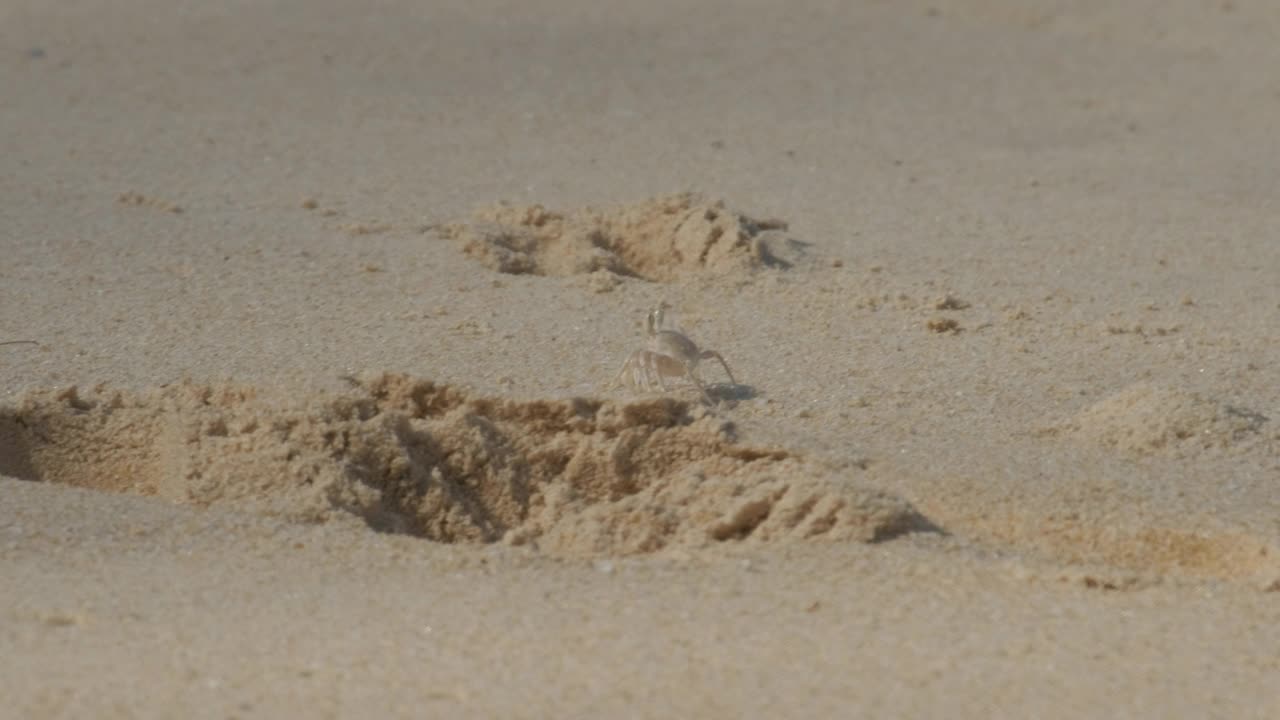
{"type": "Point", "coordinates": [328, 300]}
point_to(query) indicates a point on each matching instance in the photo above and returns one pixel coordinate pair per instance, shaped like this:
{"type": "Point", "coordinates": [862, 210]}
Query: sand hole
{"type": "Point", "coordinates": [571, 477]}
{"type": "Point", "coordinates": [661, 239]}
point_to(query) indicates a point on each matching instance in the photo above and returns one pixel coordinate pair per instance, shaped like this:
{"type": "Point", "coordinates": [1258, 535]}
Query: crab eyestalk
{"type": "Point", "coordinates": [658, 318]}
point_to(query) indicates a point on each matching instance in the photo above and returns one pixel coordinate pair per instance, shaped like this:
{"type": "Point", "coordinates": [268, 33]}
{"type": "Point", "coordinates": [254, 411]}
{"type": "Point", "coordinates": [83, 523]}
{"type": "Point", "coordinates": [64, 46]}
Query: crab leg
{"type": "Point", "coordinates": [708, 354]}
{"type": "Point", "coordinates": [640, 371]}
{"type": "Point", "coordinates": [627, 365]}
{"type": "Point", "coordinates": [705, 395]}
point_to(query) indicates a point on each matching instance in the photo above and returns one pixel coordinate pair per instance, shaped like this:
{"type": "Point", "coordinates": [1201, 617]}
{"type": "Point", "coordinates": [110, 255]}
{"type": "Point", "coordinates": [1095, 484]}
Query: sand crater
{"type": "Point", "coordinates": [662, 239]}
{"type": "Point", "coordinates": [571, 477]}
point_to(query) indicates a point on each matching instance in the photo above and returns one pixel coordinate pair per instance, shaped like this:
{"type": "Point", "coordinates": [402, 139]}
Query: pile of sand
{"type": "Point", "coordinates": [1148, 419]}
{"type": "Point", "coordinates": [661, 239]}
{"type": "Point", "coordinates": [574, 477]}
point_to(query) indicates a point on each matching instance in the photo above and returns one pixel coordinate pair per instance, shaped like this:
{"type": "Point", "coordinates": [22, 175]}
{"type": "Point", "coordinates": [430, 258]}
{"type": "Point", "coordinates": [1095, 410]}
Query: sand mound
{"type": "Point", "coordinates": [1148, 419]}
{"type": "Point", "coordinates": [576, 477]}
{"type": "Point", "coordinates": [1146, 547]}
{"type": "Point", "coordinates": [661, 239]}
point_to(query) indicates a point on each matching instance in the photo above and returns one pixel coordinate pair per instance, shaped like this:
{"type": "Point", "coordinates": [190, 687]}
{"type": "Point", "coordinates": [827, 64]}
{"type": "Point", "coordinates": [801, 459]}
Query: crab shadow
{"type": "Point", "coordinates": [776, 249]}
{"type": "Point", "coordinates": [731, 393]}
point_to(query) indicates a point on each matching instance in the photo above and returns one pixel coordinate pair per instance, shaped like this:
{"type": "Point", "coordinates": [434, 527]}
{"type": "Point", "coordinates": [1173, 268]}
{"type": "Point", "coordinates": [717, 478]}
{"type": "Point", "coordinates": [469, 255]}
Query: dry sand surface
{"type": "Point", "coordinates": [329, 299]}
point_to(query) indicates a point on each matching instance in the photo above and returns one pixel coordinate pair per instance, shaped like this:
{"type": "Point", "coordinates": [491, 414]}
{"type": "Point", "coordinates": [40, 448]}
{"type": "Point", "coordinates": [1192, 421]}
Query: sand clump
{"type": "Point", "coordinates": [1147, 419]}
{"type": "Point", "coordinates": [661, 239]}
{"type": "Point", "coordinates": [570, 477]}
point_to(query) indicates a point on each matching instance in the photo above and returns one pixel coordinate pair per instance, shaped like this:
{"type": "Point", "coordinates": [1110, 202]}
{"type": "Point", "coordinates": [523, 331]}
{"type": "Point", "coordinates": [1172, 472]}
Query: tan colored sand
{"type": "Point", "coordinates": [306, 435]}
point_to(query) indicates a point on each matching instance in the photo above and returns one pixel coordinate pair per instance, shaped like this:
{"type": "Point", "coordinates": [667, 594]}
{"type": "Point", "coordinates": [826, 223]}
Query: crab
{"type": "Point", "coordinates": [671, 354]}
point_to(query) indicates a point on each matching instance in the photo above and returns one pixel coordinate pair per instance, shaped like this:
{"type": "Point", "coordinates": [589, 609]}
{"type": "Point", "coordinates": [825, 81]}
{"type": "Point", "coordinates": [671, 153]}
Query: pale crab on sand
{"type": "Point", "coordinates": [671, 354]}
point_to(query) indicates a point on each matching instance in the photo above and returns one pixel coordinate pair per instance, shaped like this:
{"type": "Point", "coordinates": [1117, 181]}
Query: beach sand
{"type": "Point", "coordinates": [328, 300]}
